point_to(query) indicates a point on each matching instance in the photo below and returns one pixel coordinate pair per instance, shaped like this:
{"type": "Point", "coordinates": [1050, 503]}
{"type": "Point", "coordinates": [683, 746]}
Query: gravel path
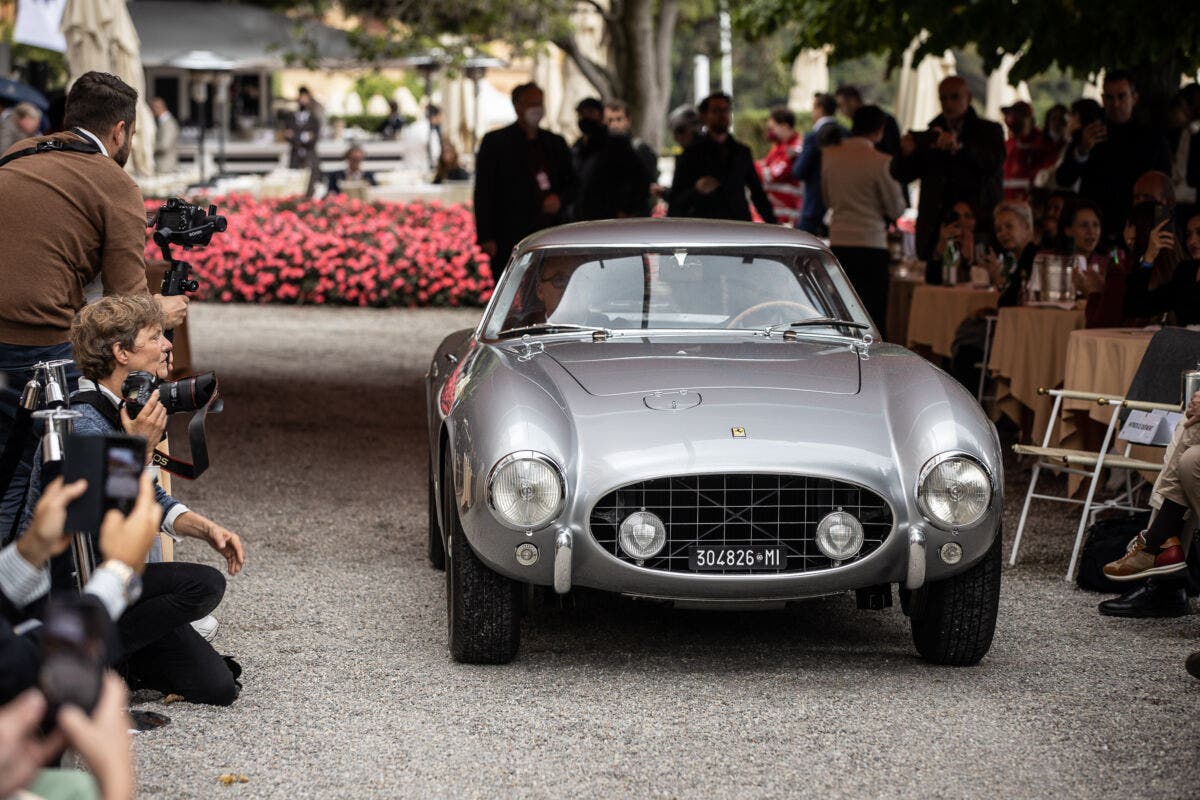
{"type": "Point", "coordinates": [319, 462]}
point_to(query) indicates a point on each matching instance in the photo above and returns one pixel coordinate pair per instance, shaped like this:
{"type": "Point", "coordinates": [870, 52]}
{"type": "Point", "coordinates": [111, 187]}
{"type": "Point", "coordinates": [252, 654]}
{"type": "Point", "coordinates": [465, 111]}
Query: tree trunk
{"type": "Point", "coordinates": [640, 35]}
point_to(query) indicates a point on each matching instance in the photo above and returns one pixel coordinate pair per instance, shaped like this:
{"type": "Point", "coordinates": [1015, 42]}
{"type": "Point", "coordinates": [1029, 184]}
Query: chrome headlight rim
{"type": "Point", "coordinates": [527, 455]}
{"type": "Point", "coordinates": [933, 464]}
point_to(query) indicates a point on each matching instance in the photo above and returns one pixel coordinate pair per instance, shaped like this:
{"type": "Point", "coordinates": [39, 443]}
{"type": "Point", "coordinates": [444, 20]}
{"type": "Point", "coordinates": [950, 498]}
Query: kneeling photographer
{"type": "Point", "coordinates": [111, 339]}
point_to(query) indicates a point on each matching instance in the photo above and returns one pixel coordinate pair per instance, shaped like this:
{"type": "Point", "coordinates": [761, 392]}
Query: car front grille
{"type": "Point", "coordinates": [737, 509]}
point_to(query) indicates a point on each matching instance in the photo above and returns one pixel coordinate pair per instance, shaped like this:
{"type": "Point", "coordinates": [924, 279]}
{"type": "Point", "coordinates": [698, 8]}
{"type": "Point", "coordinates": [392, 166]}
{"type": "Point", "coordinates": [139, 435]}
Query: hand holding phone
{"type": "Point", "coordinates": [111, 465]}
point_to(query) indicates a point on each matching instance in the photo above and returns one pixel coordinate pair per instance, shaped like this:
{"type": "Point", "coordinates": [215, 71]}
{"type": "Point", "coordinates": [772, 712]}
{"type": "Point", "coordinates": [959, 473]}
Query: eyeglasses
{"type": "Point", "coordinates": [558, 281]}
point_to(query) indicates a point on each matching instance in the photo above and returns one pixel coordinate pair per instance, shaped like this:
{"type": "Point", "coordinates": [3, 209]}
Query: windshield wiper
{"type": "Point", "coordinates": [551, 327]}
{"type": "Point", "coordinates": [832, 322]}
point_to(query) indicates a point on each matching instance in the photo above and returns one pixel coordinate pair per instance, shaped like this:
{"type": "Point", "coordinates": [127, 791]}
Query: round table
{"type": "Point", "coordinates": [937, 311]}
{"type": "Point", "coordinates": [1029, 351]}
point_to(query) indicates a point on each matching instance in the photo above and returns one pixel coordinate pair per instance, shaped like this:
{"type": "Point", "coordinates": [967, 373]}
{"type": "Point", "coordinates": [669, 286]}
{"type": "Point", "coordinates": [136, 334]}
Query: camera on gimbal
{"type": "Point", "coordinates": [179, 222]}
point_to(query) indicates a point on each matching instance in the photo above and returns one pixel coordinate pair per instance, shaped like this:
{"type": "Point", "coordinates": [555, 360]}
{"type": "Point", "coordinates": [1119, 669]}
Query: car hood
{"type": "Point", "coordinates": [606, 369]}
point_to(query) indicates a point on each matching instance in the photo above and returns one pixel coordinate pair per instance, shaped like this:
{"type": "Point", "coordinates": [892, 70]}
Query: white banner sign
{"type": "Point", "coordinates": [39, 24]}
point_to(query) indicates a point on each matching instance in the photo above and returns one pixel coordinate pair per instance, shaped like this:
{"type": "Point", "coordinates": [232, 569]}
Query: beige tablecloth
{"type": "Point", "coordinates": [900, 296]}
{"type": "Point", "coordinates": [937, 311]}
{"type": "Point", "coordinates": [1100, 360]}
{"type": "Point", "coordinates": [1029, 351]}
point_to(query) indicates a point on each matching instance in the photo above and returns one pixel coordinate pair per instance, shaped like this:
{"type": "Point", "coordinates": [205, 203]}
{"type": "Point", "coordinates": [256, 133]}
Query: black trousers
{"type": "Point", "coordinates": [869, 274]}
{"type": "Point", "coordinates": [161, 649]}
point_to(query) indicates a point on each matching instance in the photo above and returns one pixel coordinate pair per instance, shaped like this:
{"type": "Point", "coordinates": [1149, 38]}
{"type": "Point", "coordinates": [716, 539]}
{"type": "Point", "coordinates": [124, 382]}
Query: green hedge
{"type": "Point", "coordinates": [369, 122]}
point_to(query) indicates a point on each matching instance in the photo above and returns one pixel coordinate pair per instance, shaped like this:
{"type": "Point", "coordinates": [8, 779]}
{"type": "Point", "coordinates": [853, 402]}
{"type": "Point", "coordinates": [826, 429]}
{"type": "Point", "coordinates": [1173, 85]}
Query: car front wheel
{"type": "Point", "coordinates": [483, 607]}
{"type": "Point", "coordinates": [954, 620]}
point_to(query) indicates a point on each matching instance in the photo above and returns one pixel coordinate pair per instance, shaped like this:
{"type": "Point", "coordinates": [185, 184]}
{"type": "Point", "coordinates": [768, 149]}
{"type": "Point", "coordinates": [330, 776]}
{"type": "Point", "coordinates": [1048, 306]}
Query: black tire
{"type": "Point", "coordinates": [954, 620]}
{"type": "Point", "coordinates": [483, 608]}
{"type": "Point", "coordinates": [436, 549]}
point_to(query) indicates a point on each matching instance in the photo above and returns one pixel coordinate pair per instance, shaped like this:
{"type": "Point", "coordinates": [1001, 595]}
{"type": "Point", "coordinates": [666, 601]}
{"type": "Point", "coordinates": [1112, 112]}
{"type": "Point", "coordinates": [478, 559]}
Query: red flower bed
{"type": "Point", "coordinates": [340, 251]}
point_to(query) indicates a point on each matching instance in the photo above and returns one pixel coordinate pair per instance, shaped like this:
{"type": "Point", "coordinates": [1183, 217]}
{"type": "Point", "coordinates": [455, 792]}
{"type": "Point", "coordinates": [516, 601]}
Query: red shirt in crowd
{"type": "Point", "coordinates": [1025, 157]}
{"type": "Point", "coordinates": [784, 191]}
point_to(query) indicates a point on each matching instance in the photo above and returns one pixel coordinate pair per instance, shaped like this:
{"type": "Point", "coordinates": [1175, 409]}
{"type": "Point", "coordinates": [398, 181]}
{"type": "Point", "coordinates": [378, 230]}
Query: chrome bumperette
{"type": "Point", "coordinates": [564, 547]}
{"type": "Point", "coordinates": [916, 559]}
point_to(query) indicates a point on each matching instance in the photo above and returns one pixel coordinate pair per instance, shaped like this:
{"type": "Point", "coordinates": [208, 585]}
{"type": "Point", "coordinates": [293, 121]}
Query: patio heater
{"type": "Point", "coordinates": [475, 69]}
{"type": "Point", "coordinates": [204, 67]}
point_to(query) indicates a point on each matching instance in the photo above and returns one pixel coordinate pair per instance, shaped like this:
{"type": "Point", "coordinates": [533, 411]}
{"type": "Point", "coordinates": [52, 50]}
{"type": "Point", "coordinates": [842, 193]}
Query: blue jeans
{"type": "Point", "coordinates": [16, 368]}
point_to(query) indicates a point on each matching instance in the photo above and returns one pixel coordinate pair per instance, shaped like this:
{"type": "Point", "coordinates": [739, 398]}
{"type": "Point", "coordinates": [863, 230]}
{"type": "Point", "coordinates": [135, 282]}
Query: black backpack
{"type": "Point", "coordinates": [1107, 541]}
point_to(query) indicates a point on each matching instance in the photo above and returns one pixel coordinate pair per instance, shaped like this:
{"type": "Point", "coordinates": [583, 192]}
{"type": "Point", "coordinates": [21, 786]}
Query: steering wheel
{"type": "Point", "coordinates": [752, 310]}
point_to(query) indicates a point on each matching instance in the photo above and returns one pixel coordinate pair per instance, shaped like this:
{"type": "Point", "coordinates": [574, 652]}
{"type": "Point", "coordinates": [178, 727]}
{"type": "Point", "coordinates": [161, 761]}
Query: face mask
{"type": "Point", "coordinates": [533, 116]}
{"type": "Point", "coordinates": [591, 128]}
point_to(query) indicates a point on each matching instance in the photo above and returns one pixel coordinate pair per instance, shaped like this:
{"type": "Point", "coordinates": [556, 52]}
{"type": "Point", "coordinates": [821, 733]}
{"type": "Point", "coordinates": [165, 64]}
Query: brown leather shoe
{"type": "Point", "coordinates": [1137, 563]}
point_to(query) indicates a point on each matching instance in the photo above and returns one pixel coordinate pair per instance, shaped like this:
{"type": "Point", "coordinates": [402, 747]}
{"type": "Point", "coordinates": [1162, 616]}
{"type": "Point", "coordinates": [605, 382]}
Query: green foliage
{"type": "Point", "coordinates": [369, 122]}
{"type": "Point", "coordinates": [1084, 37]}
{"type": "Point", "coordinates": [373, 83]}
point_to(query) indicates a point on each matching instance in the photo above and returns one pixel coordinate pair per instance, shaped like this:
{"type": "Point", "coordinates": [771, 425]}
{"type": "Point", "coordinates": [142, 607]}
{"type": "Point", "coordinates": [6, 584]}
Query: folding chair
{"type": "Point", "coordinates": [1154, 386]}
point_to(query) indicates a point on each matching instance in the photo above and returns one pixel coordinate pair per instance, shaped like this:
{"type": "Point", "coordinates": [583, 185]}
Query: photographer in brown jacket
{"type": "Point", "coordinates": [69, 216]}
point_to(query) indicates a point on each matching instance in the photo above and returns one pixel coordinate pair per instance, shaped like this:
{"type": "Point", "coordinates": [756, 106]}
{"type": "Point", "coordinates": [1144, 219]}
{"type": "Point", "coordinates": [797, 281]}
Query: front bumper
{"type": "Point", "coordinates": [570, 557]}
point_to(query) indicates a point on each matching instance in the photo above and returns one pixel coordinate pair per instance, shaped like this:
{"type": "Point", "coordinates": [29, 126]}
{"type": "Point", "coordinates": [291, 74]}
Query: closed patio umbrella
{"type": "Point", "coordinates": [100, 36]}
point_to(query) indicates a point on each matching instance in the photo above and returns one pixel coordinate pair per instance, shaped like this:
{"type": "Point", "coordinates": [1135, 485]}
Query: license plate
{"type": "Point", "coordinates": [744, 558]}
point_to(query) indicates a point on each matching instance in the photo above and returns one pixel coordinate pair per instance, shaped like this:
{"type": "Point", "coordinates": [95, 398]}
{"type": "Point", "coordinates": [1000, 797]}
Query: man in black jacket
{"type": "Point", "coordinates": [612, 181]}
{"type": "Point", "coordinates": [960, 157]}
{"type": "Point", "coordinates": [523, 179]}
{"type": "Point", "coordinates": [714, 172]}
{"type": "Point", "coordinates": [1107, 156]}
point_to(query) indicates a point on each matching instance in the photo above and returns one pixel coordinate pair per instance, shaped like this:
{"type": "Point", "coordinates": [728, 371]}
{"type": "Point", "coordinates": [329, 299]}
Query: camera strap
{"type": "Point", "coordinates": [53, 146]}
{"type": "Point", "coordinates": [196, 435]}
{"type": "Point", "coordinates": [196, 441]}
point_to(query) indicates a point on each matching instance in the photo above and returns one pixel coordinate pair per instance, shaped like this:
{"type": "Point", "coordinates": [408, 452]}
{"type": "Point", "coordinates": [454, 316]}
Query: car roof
{"type": "Point", "coordinates": [671, 232]}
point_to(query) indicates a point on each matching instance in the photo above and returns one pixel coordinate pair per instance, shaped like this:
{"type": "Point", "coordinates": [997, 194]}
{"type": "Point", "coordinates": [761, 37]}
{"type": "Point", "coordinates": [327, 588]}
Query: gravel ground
{"type": "Point", "coordinates": [319, 462]}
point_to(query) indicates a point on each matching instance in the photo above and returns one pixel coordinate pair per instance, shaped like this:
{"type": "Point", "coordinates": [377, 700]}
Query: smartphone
{"type": "Point", "coordinates": [73, 657]}
{"type": "Point", "coordinates": [112, 466]}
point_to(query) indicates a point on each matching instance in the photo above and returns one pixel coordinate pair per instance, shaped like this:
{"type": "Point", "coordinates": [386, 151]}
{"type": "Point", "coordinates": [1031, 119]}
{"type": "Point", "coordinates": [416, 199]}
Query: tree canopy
{"type": "Point", "coordinates": [1074, 34]}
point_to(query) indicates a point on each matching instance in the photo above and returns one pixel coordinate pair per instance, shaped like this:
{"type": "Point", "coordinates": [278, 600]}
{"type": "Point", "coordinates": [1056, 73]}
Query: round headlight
{"type": "Point", "coordinates": [643, 535]}
{"type": "Point", "coordinates": [954, 491]}
{"type": "Point", "coordinates": [525, 490]}
{"type": "Point", "coordinates": [839, 535]}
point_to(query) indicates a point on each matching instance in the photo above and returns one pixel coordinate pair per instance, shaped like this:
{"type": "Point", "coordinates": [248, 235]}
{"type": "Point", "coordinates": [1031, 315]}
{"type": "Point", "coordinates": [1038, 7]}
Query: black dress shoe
{"type": "Point", "coordinates": [1151, 599]}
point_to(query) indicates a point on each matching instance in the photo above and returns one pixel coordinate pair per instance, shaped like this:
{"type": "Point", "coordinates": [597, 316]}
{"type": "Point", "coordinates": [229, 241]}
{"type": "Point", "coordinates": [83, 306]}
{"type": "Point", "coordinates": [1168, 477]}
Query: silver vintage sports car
{"type": "Point", "coordinates": [702, 412]}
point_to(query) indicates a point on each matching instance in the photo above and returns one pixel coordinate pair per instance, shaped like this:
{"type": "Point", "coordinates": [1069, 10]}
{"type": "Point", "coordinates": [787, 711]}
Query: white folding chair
{"type": "Point", "coordinates": [1085, 463]}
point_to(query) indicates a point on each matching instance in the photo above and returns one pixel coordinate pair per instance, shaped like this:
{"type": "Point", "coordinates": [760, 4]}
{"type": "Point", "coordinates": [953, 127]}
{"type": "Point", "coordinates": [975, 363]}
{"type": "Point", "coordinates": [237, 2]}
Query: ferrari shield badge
{"type": "Point", "coordinates": [738, 433]}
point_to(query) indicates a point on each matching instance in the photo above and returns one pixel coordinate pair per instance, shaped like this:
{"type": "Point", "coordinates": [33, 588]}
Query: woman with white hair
{"type": "Point", "coordinates": [1009, 266]}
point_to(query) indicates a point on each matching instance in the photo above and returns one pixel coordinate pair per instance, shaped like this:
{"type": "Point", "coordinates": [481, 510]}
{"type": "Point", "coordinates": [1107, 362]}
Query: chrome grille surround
{"type": "Point", "coordinates": [741, 509]}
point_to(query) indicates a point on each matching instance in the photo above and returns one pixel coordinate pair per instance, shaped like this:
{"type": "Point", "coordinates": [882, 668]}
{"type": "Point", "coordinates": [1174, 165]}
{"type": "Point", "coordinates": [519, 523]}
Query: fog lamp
{"type": "Point", "coordinates": [643, 535]}
{"type": "Point", "coordinates": [839, 535]}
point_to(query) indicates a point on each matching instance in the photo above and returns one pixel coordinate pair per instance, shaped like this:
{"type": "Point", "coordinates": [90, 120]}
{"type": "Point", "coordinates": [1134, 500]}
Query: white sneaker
{"type": "Point", "coordinates": [207, 627]}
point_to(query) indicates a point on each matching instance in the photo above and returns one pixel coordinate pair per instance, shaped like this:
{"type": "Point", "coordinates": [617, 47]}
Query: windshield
{"type": "Point", "coordinates": [668, 289]}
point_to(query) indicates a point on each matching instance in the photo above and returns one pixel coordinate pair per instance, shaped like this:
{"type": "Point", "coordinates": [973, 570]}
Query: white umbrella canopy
{"type": "Point", "coordinates": [100, 36]}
